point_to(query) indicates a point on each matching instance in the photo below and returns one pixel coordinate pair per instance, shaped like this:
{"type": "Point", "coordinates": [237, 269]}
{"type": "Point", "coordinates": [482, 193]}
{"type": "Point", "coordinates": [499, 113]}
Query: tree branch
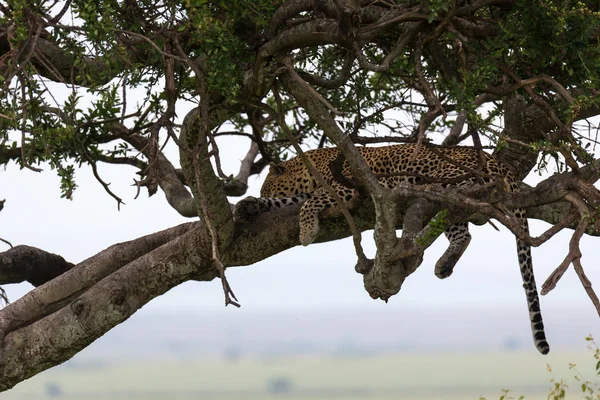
{"type": "Point", "coordinates": [239, 184]}
{"type": "Point", "coordinates": [194, 146]}
{"type": "Point", "coordinates": [24, 263]}
{"type": "Point", "coordinates": [177, 195]}
{"type": "Point", "coordinates": [60, 335]}
{"type": "Point", "coordinates": [61, 290]}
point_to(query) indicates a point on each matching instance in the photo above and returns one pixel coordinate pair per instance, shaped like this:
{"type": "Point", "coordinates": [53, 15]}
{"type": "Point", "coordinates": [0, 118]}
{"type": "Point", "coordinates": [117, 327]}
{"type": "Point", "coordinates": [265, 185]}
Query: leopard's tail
{"type": "Point", "coordinates": [533, 301]}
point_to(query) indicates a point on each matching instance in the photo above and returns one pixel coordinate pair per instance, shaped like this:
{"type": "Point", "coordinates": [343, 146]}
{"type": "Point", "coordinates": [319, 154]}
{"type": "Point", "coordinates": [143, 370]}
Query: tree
{"type": "Point", "coordinates": [517, 76]}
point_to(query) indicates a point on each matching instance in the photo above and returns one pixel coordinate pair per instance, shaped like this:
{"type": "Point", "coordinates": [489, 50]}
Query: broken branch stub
{"type": "Point", "coordinates": [397, 258]}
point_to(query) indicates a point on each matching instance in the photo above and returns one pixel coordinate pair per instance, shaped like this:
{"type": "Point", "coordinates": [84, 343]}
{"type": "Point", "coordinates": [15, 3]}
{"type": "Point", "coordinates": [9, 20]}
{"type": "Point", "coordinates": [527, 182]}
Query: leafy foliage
{"type": "Point", "coordinates": [104, 54]}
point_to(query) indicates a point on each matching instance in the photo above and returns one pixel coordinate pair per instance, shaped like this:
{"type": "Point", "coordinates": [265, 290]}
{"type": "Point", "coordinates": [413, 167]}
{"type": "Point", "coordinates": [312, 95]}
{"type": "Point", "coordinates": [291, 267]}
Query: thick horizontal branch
{"type": "Point", "coordinates": [38, 339]}
{"type": "Point", "coordinates": [60, 291]}
{"type": "Point", "coordinates": [24, 263]}
{"type": "Point", "coordinates": [57, 337]}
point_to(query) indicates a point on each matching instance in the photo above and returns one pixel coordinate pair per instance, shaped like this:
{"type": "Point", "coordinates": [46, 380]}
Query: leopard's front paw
{"type": "Point", "coordinates": [308, 231]}
{"type": "Point", "coordinates": [445, 266]}
{"type": "Point", "coordinates": [246, 209]}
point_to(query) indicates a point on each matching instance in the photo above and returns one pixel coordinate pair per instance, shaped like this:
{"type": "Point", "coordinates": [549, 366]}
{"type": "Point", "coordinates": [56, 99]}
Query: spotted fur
{"type": "Point", "coordinates": [290, 182]}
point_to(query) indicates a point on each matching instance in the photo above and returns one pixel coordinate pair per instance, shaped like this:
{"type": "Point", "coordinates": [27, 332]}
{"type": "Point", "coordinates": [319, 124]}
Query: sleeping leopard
{"type": "Point", "coordinates": [290, 182]}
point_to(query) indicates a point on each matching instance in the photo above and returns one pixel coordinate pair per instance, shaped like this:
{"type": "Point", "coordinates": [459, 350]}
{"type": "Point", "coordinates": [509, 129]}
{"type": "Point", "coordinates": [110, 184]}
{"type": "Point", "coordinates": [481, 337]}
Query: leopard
{"type": "Point", "coordinates": [290, 182]}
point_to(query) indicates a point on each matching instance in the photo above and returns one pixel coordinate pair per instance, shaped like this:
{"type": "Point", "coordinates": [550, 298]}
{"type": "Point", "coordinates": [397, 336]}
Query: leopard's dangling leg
{"type": "Point", "coordinates": [309, 215]}
{"type": "Point", "coordinates": [459, 237]}
{"type": "Point", "coordinates": [533, 301]}
{"type": "Point", "coordinates": [319, 201]}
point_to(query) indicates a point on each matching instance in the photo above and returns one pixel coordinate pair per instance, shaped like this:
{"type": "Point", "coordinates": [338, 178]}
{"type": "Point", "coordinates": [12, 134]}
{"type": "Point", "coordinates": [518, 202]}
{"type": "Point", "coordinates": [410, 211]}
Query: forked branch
{"type": "Point", "coordinates": [574, 255]}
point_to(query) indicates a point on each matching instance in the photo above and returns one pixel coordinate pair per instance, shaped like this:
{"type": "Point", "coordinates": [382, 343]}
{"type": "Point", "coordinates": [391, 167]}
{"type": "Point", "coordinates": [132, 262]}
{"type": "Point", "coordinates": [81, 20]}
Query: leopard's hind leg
{"type": "Point", "coordinates": [459, 237]}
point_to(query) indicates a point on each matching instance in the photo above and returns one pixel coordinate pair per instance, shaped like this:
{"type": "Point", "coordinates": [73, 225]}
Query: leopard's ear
{"type": "Point", "coordinates": [276, 169]}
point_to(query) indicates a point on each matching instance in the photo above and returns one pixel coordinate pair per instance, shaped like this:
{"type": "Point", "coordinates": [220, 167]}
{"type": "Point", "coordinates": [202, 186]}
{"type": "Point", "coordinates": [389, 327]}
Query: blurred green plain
{"type": "Point", "coordinates": [405, 376]}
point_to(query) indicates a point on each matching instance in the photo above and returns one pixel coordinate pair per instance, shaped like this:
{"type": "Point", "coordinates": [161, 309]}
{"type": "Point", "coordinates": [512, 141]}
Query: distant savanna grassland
{"type": "Point", "coordinates": [405, 376]}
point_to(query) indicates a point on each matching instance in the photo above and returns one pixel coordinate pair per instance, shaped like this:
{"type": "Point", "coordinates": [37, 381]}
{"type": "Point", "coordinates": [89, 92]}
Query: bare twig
{"type": "Point", "coordinates": [430, 97]}
{"type": "Point", "coordinates": [247, 163]}
{"type": "Point", "coordinates": [104, 184]}
{"type": "Point", "coordinates": [61, 13]}
{"type": "Point", "coordinates": [3, 297]}
{"type": "Point", "coordinates": [138, 185]}
{"type": "Point", "coordinates": [587, 285]}
{"type": "Point", "coordinates": [424, 123]}
{"type": "Point", "coordinates": [165, 54]}
{"type": "Point", "coordinates": [362, 119]}
{"type": "Point", "coordinates": [554, 229]}
{"type": "Point", "coordinates": [456, 129]}
{"type": "Point", "coordinates": [288, 63]}
{"type": "Point", "coordinates": [574, 254]}
{"type": "Point", "coordinates": [229, 295]}
{"type": "Point", "coordinates": [340, 79]}
{"type": "Point", "coordinates": [400, 45]}
{"type": "Point", "coordinates": [411, 15]}
{"type": "Point", "coordinates": [134, 162]}
{"type": "Point", "coordinates": [165, 121]}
